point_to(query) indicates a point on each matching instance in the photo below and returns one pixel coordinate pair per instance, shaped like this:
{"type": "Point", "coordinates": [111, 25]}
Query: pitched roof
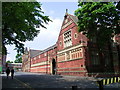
{"type": "Point", "coordinates": [34, 52]}
{"type": "Point", "coordinates": [50, 48]}
{"type": "Point", "coordinates": [74, 18]}
{"type": "Point", "coordinates": [45, 50]}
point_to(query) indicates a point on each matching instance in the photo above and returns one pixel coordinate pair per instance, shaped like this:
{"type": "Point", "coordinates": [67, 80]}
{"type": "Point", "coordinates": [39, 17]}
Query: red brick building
{"type": "Point", "coordinates": [71, 48]}
{"type": "Point", "coordinates": [26, 59]}
{"type": "Point", "coordinates": [45, 61]}
{"type": "Point", "coordinates": [75, 54]}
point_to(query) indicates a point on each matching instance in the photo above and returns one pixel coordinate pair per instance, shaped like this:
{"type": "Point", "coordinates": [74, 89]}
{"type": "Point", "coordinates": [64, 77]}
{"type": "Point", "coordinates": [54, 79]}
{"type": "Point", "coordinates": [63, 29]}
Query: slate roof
{"type": "Point", "coordinates": [45, 50]}
{"type": "Point", "coordinates": [74, 18]}
{"type": "Point", "coordinates": [34, 52]}
{"type": "Point", "coordinates": [50, 48]}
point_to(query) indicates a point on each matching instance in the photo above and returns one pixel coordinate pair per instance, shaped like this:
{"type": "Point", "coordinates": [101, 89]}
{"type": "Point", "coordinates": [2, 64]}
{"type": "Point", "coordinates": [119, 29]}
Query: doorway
{"type": "Point", "coordinates": [53, 68]}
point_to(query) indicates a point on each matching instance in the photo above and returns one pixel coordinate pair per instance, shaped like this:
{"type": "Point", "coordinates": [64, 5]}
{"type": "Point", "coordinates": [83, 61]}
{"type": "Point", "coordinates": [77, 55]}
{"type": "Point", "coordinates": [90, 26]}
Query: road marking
{"type": "Point", "coordinates": [24, 84]}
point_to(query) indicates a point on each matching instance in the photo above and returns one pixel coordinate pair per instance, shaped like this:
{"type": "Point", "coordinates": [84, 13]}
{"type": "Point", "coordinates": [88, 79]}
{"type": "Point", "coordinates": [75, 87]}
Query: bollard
{"type": "Point", "coordinates": [100, 85]}
{"type": "Point", "coordinates": [74, 87]}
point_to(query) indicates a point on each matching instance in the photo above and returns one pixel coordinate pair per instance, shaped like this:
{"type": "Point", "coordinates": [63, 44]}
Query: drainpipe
{"type": "Point", "coordinates": [47, 63]}
{"type": "Point", "coordinates": [56, 60]}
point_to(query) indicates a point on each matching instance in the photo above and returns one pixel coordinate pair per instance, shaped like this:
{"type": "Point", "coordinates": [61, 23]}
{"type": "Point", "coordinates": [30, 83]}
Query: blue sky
{"type": "Point", "coordinates": [48, 37]}
{"type": "Point", "coordinates": [59, 8]}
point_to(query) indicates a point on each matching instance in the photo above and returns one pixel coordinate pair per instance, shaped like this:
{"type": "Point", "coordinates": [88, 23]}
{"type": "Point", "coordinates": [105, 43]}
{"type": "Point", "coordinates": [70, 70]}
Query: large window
{"type": "Point", "coordinates": [95, 58]}
{"type": "Point", "coordinates": [67, 38]}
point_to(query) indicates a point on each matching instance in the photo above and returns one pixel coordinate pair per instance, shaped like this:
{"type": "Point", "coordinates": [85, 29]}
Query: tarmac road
{"type": "Point", "coordinates": [33, 81]}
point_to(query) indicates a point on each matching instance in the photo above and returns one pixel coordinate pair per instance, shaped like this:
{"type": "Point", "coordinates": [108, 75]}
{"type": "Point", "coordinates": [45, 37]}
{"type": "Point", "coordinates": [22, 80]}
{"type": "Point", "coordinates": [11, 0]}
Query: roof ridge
{"type": "Point", "coordinates": [74, 18]}
{"type": "Point", "coordinates": [35, 50]}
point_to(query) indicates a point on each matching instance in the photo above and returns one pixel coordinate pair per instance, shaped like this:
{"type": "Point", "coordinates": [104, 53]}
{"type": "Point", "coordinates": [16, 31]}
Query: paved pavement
{"type": "Point", "coordinates": [39, 81]}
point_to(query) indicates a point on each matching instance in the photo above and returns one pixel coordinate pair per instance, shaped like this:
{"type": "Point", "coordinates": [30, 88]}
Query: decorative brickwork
{"type": "Point", "coordinates": [74, 54]}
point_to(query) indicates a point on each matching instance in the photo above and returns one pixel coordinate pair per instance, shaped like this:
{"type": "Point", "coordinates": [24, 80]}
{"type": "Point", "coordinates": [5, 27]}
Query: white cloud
{"type": "Point", "coordinates": [9, 59]}
{"type": "Point", "coordinates": [51, 12]}
{"type": "Point", "coordinates": [11, 52]}
{"type": "Point", "coordinates": [46, 37]}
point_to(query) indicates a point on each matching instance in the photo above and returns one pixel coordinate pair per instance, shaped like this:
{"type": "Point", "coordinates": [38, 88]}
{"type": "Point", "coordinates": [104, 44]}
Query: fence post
{"type": "Point", "coordinates": [100, 85]}
{"type": "Point", "coordinates": [74, 87]}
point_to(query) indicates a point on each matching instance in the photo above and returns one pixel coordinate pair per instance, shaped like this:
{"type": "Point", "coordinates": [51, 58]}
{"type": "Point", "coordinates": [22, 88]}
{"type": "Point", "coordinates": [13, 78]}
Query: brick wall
{"type": "Point", "coordinates": [74, 59]}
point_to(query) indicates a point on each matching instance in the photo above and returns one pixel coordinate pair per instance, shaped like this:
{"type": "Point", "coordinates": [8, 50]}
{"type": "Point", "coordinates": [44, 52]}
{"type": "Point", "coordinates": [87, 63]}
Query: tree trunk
{"type": "Point", "coordinates": [118, 50]}
{"type": "Point", "coordinates": [111, 56]}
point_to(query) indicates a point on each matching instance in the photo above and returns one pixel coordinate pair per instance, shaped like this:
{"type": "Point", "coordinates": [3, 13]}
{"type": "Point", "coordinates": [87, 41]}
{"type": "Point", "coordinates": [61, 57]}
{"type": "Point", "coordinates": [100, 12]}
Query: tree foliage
{"type": "Point", "coordinates": [9, 61]}
{"type": "Point", "coordinates": [18, 58]}
{"type": "Point", "coordinates": [19, 20]}
{"type": "Point", "coordinates": [99, 19]}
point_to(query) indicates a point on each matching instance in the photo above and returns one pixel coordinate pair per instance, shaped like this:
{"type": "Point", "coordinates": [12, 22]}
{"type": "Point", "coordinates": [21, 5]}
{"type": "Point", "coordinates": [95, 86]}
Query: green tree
{"type": "Point", "coordinates": [18, 58]}
{"type": "Point", "coordinates": [9, 61]}
{"type": "Point", "coordinates": [18, 23]}
{"type": "Point", "coordinates": [99, 19]}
